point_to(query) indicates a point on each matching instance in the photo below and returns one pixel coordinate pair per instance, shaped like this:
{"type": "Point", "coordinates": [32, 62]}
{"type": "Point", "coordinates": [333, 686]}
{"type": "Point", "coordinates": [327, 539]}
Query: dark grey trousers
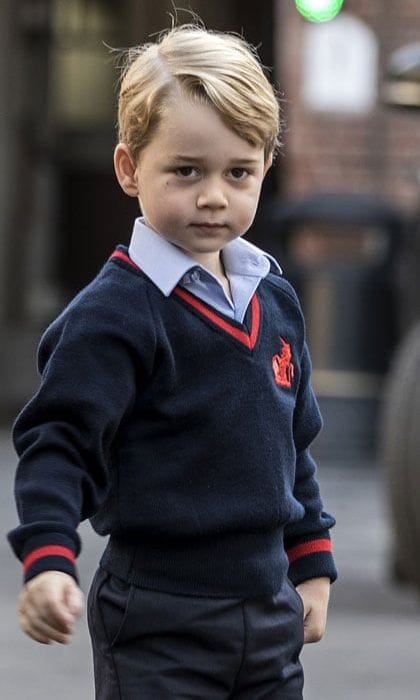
{"type": "Point", "coordinates": [149, 645]}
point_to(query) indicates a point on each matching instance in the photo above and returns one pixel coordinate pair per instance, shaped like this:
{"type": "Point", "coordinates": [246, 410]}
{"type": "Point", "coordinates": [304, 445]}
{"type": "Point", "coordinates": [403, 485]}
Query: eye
{"type": "Point", "coordinates": [239, 173]}
{"type": "Point", "coordinates": [186, 171]}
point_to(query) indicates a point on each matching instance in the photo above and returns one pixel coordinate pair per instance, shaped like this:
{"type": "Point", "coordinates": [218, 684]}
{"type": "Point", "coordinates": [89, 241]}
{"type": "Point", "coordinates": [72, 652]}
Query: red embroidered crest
{"type": "Point", "coordinates": [283, 367]}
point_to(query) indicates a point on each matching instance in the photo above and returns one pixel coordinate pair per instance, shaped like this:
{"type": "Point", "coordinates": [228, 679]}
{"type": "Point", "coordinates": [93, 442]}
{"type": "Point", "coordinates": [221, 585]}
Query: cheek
{"type": "Point", "coordinates": [169, 210]}
{"type": "Point", "coordinates": [248, 206]}
{"type": "Point", "coordinates": [175, 202]}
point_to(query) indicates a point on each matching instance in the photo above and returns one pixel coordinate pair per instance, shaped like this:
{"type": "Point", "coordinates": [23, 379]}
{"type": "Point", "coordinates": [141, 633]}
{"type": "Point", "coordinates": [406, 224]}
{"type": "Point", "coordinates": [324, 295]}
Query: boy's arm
{"type": "Point", "coordinates": [63, 436]}
{"type": "Point", "coordinates": [307, 540]}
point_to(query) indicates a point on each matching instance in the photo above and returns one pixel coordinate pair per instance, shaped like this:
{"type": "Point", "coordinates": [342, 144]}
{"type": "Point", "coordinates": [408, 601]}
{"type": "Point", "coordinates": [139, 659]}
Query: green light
{"type": "Point", "coordinates": [319, 10]}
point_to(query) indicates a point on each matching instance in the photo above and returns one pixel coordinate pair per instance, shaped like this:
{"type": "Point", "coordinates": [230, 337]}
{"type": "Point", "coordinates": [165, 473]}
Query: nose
{"type": "Point", "coordinates": [212, 195]}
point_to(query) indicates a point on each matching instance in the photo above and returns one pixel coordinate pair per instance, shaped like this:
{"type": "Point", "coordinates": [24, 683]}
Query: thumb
{"type": "Point", "coordinates": [74, 599]}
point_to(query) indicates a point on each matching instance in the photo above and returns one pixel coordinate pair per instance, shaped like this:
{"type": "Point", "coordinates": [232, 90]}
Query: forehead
{"type": "Point", "coordinates": [195, 127]}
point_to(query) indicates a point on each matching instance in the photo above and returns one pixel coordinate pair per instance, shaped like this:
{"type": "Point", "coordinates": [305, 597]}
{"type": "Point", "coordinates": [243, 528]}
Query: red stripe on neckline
{"type": "Point", "coordinates": [307, 548]}
{"type": "Point", "coordinates": [255, 322]}
{"type": "Point", "coordinates": [247, 339]}
{"type": "Point", "coordinates": [47, 551]}
{"type": "Point", "coordinates": [122, 256]}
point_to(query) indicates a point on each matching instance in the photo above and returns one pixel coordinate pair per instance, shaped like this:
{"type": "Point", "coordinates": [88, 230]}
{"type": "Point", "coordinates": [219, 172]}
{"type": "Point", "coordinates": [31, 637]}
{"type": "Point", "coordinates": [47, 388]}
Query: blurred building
{"type": "Point", "coordinates": [354, 268]}
{"type": "Point", "coordinates": [61, 212]}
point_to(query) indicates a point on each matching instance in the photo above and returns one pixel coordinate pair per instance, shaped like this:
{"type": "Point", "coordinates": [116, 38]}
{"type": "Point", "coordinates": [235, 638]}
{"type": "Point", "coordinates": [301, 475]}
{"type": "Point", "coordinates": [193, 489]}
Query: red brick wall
{"type": "Point", "coordinates": [376, 154]}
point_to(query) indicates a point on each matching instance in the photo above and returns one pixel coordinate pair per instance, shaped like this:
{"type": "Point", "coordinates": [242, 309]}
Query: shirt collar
{"type": "Point", "coordinates": [165, 264]}
{"type": "Point", "coordinates": [240, 257]}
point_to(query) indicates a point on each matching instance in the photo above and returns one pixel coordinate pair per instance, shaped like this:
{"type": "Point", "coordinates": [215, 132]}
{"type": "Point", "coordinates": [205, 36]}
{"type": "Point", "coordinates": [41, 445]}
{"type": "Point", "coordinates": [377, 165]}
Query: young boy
{"type": "Point", "coordinates": [175, 410]}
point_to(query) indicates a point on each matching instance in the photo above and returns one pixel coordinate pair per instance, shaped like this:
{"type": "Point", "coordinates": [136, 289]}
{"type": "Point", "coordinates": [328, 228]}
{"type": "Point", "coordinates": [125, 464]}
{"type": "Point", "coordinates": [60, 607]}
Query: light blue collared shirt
{"type": "Point", "coordinates": [166, 265]}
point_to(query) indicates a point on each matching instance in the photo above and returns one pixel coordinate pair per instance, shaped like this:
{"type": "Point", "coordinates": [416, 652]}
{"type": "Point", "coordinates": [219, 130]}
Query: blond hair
{"type": "Point", "coordinates": [218, 69]}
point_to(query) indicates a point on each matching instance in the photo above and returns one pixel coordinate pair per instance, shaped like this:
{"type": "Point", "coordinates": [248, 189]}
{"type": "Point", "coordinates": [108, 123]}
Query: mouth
{"type": "Point", "coordinates": [207, 225]}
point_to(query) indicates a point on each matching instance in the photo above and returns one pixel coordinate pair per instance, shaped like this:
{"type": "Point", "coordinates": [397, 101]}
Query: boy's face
{"type": "Point", "coordinates": [198, 182]}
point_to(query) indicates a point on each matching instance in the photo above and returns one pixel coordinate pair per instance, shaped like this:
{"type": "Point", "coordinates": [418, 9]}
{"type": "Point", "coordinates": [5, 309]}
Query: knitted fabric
{"type": "Point", "coordinates": [181, 433]}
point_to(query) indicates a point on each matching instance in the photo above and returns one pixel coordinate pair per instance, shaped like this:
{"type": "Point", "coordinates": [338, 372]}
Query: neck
{"type": "Point", "coordinates": [214, 264]}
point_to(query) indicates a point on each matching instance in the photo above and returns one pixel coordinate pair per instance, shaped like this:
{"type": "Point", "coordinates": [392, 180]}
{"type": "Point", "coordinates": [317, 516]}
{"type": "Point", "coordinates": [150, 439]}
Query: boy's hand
{"type": "Point", "coordinates": [48, 607]}
{"type": "Point", "coordinates": [315, 595]}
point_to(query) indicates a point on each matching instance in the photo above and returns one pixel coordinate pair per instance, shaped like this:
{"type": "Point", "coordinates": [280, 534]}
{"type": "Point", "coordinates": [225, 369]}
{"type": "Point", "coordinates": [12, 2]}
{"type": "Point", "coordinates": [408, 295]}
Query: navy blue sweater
{"type": "Point", "coordinates": [181, 433]}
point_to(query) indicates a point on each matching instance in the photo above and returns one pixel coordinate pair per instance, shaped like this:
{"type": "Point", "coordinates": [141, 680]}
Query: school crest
{"type": "Point", "coordinates": [283, 367]}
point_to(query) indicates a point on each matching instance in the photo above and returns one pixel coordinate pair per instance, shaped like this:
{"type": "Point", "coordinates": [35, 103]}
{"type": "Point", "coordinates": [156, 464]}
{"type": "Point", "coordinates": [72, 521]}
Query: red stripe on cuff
{"type": "Point", "coordinates": [47, 551]}
{"type": "Point", "coordinates": [307, 548]}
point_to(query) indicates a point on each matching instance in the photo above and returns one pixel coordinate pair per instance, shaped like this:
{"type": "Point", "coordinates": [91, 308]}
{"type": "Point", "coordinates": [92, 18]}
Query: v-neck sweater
{"type": "Point", "coordinates": [169, 266]}
{"type": "Point", "coordinates": [182, 434]}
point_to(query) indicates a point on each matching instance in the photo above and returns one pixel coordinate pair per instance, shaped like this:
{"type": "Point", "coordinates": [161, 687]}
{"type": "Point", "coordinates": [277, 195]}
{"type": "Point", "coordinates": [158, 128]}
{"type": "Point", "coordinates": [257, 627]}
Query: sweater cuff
{"type": "Point", "coordinates": [49, 558]}
{"type": "Point", "coordinates": [311, 559]}
{"type": "Point", "coordinates": [45, 546]}
{"type": "Point", "coordinates": [48, 554]}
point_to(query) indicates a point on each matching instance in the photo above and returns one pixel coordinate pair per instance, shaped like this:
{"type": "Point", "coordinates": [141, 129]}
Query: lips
{"type": "Point", "coordinates": [204, 224]}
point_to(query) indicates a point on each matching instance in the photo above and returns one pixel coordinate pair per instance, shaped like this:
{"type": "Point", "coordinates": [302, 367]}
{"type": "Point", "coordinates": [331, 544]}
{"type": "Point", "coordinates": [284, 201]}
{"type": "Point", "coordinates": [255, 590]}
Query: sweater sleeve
{"type": "Point", "coordinates": [63, 435]}
{"type": "Point", "coordinates": [307, 541]}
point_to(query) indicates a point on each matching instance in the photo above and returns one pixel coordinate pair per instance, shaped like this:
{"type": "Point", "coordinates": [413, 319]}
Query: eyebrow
{"type": "Point", "coordinates": [179, 158]}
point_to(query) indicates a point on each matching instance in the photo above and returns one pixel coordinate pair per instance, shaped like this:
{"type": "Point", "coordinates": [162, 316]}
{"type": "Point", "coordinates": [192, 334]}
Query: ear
{"type": "Point", "coordinates": [268, 163]}
{"type": "Point", "coordinates": [125, 170]}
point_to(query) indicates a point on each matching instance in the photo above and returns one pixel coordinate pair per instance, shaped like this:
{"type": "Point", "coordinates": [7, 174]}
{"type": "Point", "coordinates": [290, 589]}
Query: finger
{"type": "Point", "coordinates": [39, 628]}
{"type": "Point", "coordinates": [26, 625]}
{"type": "Point", "coordinates": [75, 600]}
{"type": "Point", "coordinates": [43, 633]}
{"type": "Point", "coordinates": [50, 615]}
{"type": "Point", "coordinates": [59, 614]}
{"type": "Point", "coordinates": [36, 637]}
{"type": "Point", "coordinates": [58, 618]}
{"type": "Point", "coordinates": [313, 629]}
{"type": "Point", "coordinates": [46, 631]}
{"type": "Point", "coordinates": [312, 636]}
{"type": "Point", "coordinates": [46, 617]}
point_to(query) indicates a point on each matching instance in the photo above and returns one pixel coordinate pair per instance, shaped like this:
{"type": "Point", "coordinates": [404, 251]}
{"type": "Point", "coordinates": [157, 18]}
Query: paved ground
{"type": "Point", "coordinates": [371, 650]}
{"type": "Point", "coordinates": [372, 647]}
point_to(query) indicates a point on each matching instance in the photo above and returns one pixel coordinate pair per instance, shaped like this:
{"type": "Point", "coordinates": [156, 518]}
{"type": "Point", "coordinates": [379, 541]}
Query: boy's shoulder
{"type": "Point", "coordinates": [112, 311]}
{"type": "Point", "coordinates": [117, 296]}
{"type": "Point", "coordinates": [116, 280]}
{"type": "Point", "coordinates": [280, 295]}
{"type": "Point", "coordinates": [279, 285]}
{"type": "Point", "coordinates": [115, 284]}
